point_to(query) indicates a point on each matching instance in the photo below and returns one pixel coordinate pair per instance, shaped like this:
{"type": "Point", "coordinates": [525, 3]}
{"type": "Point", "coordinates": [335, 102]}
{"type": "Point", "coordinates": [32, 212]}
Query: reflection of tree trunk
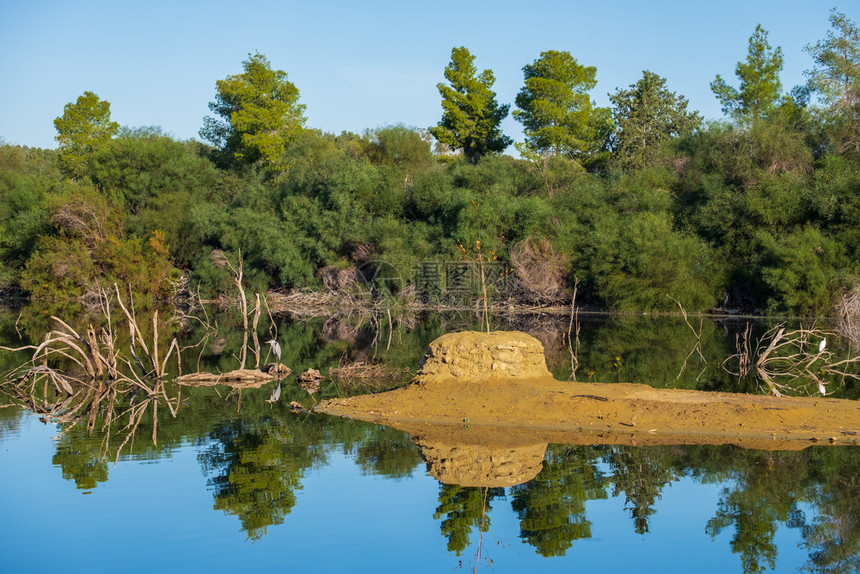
{"type": "Point", "coordinates": [574, 317]}
{"type": "Point", "coordinates": [484, 492]}
{"type": "Point", "coordinates": [254, 333]}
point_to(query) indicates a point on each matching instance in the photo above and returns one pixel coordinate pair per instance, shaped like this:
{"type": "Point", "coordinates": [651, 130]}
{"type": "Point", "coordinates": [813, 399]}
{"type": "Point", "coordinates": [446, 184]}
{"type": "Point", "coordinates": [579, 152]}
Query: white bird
{"type": "Point", "coordinates": [821, 388]}
{"type": "Point", "coordinates": [276, 348]}
{"type": "Point", "coordinates": [821, 345]}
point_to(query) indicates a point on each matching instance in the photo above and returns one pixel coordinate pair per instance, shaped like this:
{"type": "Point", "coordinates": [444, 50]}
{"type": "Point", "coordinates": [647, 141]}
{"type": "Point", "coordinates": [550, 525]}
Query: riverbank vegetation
{"type": "Point", "coordinates": [639, 206]}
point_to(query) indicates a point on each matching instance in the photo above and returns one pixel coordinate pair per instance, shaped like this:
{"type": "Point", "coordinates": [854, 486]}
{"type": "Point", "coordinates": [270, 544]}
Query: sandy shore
{"type": "Point", "coordinates": [497, 385]}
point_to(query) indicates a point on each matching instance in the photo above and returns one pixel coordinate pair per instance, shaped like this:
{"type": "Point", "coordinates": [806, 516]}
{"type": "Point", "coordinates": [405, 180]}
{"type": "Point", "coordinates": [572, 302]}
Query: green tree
{"type": "Point", "coordinates": [555, 109]}
{"type": "Point", "coordinates": [86, 247]}
{"type": "Point", "coordinates": [83, 129]}
{"type": "Point", "coordinates": [403, 150]}
{"type": "Point", "coordinates": [837, 78]}
{"type": "Point", "coordinates": [471, 115]}
{"type": "Point", "coordinates": [760, 87]}
{"type": "Point", "coordinates": [639, 259]}
{"type": "Point", "coordinates": [800, 271]}
{"type": "Point", "coordinates": [27, 176]}
{"type": "Point", "coordinates": [646, 116]}
{"type": "Point", "coordinates": [259, 113]}
{"type": "Point", "coordinates": [837, 58]}
{"type": "Point", "coordinates": [159, 181]}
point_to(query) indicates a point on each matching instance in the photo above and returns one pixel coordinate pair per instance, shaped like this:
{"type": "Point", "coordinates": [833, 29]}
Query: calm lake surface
{"type": "Point", "coordinates": [219, 479]}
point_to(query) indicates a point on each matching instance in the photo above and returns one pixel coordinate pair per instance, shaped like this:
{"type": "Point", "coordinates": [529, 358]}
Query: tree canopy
{"type": "Point", "coordinates": [760, 87]}
{"type": "Point", "coordinates": [471, 116]}
{"type": "Point", "coordinates": [646, 116]}
{"type": "Point", "coordinates": [557, 113]}
{"type": "Point", "coordinates": [83, 129]}
{"type": "Point", "coordinates": [836, 77]}
{"type": "Point", "coordinates": [259, 111]}
{"type": "Point", "coordinates": [758, 213]}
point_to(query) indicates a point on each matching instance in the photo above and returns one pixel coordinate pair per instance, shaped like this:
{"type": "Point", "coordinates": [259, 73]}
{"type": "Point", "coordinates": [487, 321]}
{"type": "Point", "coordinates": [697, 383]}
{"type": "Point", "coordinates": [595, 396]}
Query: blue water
{"type": "Point", "coordinates": [158, 516]}
{"type": "Point", "coordinates": [234, 483]}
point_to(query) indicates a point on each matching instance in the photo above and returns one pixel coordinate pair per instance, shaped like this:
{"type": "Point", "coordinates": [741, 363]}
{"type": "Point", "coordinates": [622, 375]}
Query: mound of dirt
{"type": "Point", "coordinates": [483, 357]}
{"type": "Point", "coordinates": [497, 385]}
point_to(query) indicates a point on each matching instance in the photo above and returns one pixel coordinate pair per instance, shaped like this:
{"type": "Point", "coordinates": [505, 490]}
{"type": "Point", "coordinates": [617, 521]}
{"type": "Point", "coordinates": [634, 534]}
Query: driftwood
{"type": "Point", "coordinates": [240, 378]}
{"type": "Point", "coordinates": [277, 370]}
{"type": "Point", "coordinates": [310, 381]}
{"type": "Point", "coordinates": [847, 312]}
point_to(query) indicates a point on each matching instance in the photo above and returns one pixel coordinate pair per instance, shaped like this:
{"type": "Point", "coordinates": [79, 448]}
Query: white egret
{"type": "Point", "coordinates": [821, 345]}
{"type": "Point", "coordinates": [276, 348]}
{"type": "Point", "coordinates": [821, 388]}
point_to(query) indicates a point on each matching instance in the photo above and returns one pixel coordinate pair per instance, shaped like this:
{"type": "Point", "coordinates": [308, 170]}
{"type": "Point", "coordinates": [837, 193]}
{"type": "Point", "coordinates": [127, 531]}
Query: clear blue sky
{"type": "Point", "coordinates": [366, 64]}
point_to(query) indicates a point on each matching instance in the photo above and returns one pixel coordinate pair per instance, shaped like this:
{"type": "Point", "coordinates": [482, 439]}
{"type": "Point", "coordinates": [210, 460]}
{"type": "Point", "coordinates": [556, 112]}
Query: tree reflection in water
{"type": "Point", "coordinates": [764, 490]}
{"type": "Point", "coordinates": [256, 470]}
{"type": "Point", "coordinates": [641, 475]}
{"type": "Point", "coordinates": [462, 509]}
{"type": "Point", "coordinates": [832, 537]}
{"type": "Point", "coordinates": [551, 508]}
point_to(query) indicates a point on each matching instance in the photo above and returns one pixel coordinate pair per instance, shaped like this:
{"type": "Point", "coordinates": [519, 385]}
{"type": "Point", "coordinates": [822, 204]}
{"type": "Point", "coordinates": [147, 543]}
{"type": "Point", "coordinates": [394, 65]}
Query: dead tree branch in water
{"type": "Point", "coordinates": [782, 358]}
{"type": "Point", "coordinates": [574, 318]}
{"type": "Point", "coordinates": [72, 378]}
{"type": "Point", "coordinates": [697, 348]}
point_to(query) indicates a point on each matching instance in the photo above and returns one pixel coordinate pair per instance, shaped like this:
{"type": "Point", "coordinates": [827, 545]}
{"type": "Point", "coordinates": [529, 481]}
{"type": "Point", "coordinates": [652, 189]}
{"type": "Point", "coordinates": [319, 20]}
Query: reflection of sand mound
{"type": "Point", "coordinates": [483, 462]}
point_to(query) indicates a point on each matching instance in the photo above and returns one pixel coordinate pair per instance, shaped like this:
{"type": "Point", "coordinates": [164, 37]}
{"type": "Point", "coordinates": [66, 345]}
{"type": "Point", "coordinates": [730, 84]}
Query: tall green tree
{"type": "Point", "coordinates": [558, 115]}
{"type": "Point", "coordinates": [84, 128]}
{"type": "Point", "coordinates": [760, 88]}
{"type": "Point", "coordinates": [837, 59]}
{"type": "Point", "coordinates": [471, 116]}
{"type": "Point", "coordinates": [160, 182]}
{"type": "Point", "coordinates": [646, 116]}
{"type": "Point", "coordinates": [836, 77]}
{"type": "Point", "coordinates": [259, 113]}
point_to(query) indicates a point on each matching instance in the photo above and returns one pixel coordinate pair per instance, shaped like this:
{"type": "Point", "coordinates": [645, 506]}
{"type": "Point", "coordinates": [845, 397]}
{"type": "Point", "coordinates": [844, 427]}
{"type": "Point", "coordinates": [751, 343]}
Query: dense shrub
{"type": "Point", "coordinates": [801, 271]}
{"type": "Point", "coordinates": [85, 248]}
{"type": "Point", "coordinates": [760, 215]}
{"type": "Point", "coordinates": [641, 263]}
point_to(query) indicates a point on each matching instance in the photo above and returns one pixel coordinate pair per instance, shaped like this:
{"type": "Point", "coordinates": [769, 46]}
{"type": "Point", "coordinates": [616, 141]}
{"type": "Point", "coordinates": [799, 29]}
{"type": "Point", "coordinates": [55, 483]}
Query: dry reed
{"type": "Point", "coordinates": [847, 312]}
{"type": "Point", "coordinates": [352, 375]}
